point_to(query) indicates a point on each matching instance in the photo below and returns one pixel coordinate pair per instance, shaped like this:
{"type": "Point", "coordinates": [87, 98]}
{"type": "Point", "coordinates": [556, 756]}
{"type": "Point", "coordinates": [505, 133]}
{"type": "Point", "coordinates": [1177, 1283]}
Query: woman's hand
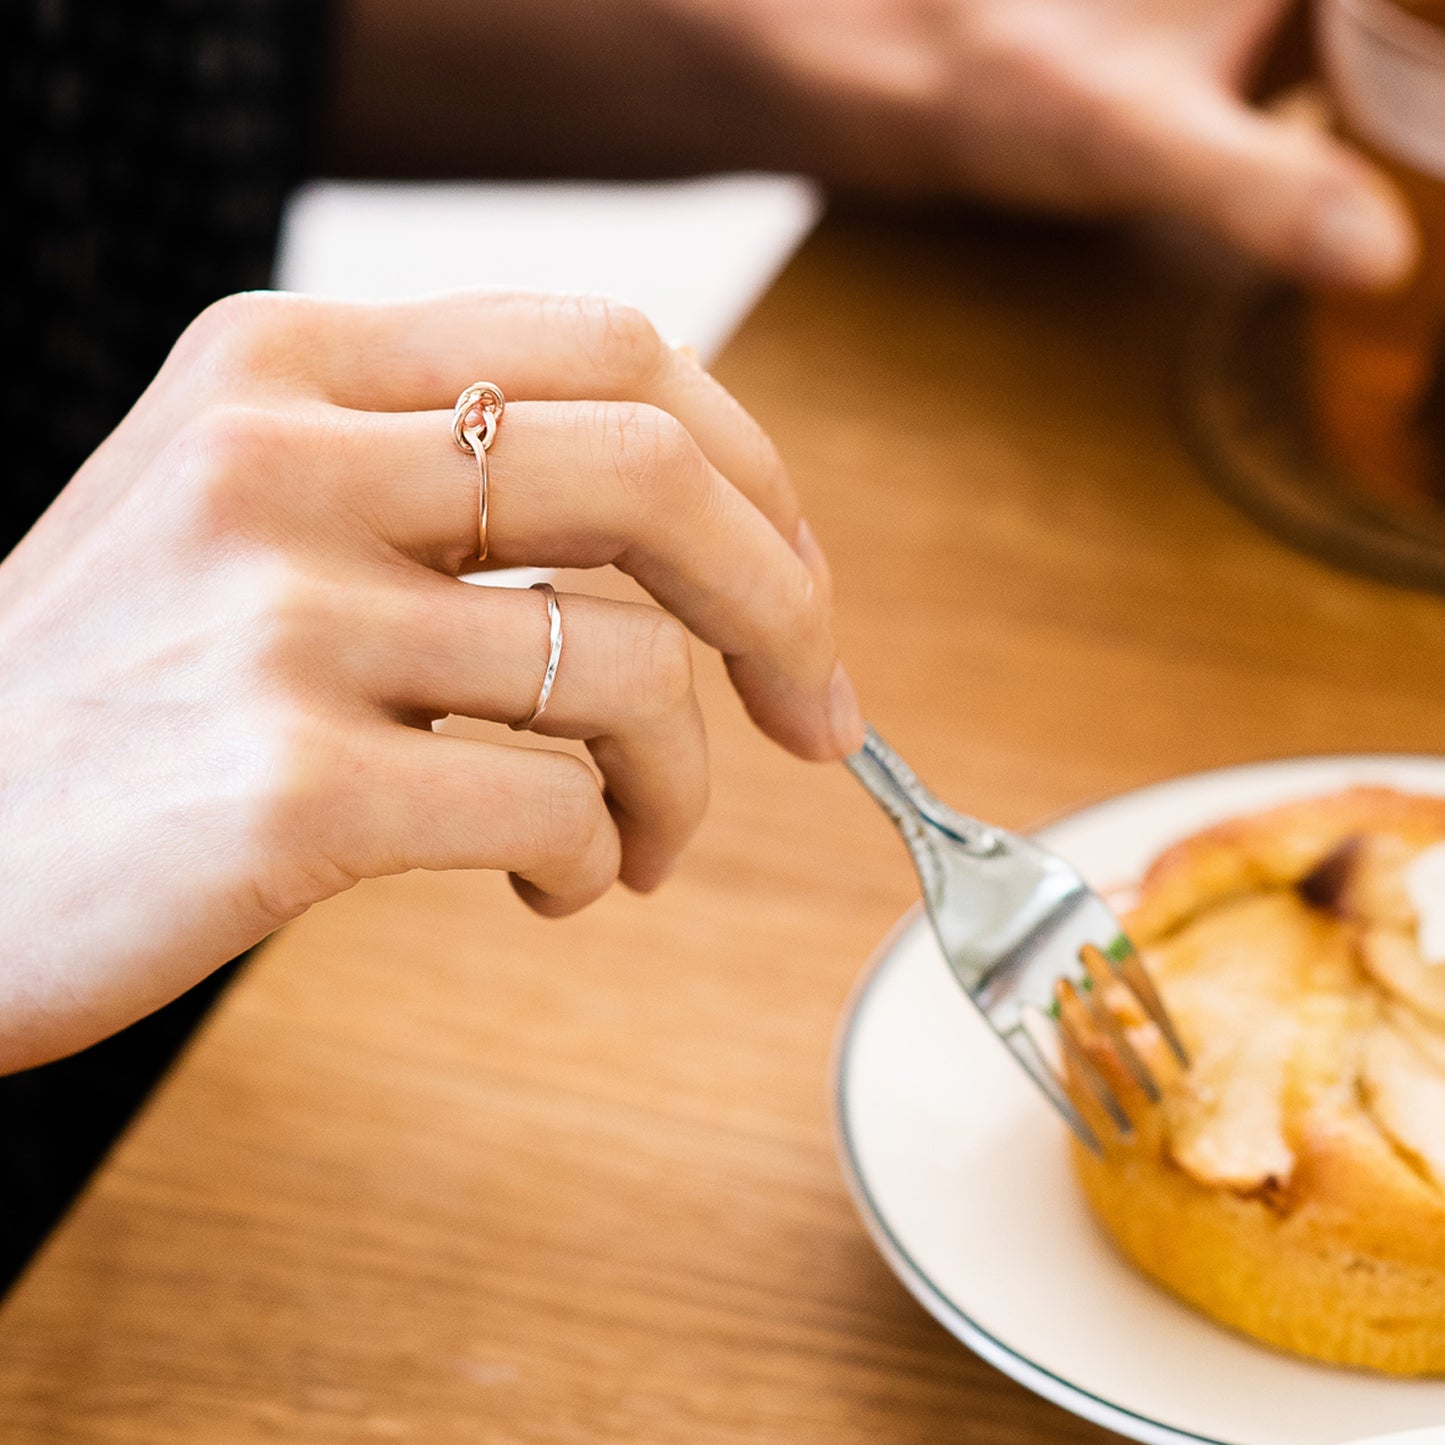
{"type": "Point", "coordinates": [1091, 106]}
{"type": "Point", "coordinates": [224, 645]}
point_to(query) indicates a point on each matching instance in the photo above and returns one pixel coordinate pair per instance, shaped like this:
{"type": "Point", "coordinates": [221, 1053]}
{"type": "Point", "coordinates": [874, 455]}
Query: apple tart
{"type": "Point", "coordinates": [1291, 1183]}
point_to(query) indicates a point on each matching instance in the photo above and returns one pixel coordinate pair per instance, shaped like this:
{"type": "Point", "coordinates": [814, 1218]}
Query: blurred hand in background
{"type": "Point", "coordinates": [1094, 107]}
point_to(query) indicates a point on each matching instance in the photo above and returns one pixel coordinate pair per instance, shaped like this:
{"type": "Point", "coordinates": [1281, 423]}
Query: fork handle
{"type": "Point", "coordinates": [913, 809]}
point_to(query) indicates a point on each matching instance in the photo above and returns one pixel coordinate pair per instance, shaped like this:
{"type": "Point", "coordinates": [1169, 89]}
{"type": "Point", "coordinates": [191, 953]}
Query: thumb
{"type": "Point", "coordinates": [1288, 194]}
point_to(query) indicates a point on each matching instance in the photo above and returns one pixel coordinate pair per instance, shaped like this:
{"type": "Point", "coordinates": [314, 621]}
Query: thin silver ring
{"type": "Point", "coordinates": [554, 655]}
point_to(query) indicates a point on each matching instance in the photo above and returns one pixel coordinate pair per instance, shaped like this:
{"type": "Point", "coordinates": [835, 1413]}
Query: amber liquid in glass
{"type": "Point", "coordinates": [1377, 363]}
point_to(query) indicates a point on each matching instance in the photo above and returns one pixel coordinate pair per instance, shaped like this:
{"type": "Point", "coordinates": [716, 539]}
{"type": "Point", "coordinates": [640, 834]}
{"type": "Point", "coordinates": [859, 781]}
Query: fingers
{"type": "Point", "coordinates": [411, 799]}
{"type": "Point", "coordinates": [636, 483]}
{"type": "Point", "coordinates": [418, 356]}
{"type": "Point", "coordinates": [624, 686]}
{"type": "Point", "coordinates": [1292, 196]}
{"type": "Point", "coordinates": [585, 485]}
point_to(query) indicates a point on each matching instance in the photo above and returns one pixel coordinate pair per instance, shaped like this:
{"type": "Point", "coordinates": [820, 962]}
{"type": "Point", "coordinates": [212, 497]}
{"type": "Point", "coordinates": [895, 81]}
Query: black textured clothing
{"type": "Point", "coordinates": [57, 1121]}
{"type": "Point", "coordinates": [150, 145]}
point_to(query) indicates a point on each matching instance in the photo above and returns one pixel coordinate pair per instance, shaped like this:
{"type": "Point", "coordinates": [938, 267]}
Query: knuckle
{"type": "Point", "coordinates": [799, 617]}
{"type": "Point", "coordinates": [296, 774]}
{"type": "Point", "coordinates": [290, 640]}
{"type": "Point", "coordinates": [760, 453]}
{"type": "Point", "coordinates": [228, 454]}
{"type": "Point", "coordinates": [307, 794]}
{"type": "Point", "coordinates": [569, 815]}
{"type": "Point", "coordinates": [619, 345]}
{"type": "Point", "coordinates": [662, 663]}
{"type": "Point", "coordinates": [770, 463]}
{"type": "Point", "coordinates": [245, 331]}
{"type": "Point", "coordinates": [243, 435]}
{"type": "Point", "coordinates": [292, 625]}
{"type": "Point", "coordinates": [652, 455]}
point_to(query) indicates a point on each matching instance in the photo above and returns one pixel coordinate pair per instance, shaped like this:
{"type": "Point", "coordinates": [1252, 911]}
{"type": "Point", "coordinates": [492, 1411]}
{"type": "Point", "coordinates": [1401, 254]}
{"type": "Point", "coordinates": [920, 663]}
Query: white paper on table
{"type": "Point", "coordinates": [695, 255]}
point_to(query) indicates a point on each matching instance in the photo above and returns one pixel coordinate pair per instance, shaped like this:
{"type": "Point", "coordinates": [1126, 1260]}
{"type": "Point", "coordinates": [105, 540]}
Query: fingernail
{"type": "Point", "coordinates": [844, 712]}
{"type": "Point", "coordinates": [1362, 240]}
{"type": "Point", "coordinates": [805, 544]}
{"type": "Point", "coordinates": [688, 354]}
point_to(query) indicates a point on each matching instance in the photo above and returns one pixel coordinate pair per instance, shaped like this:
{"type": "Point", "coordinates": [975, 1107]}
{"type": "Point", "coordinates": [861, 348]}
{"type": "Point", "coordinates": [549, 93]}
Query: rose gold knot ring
{"type": "Point", "coordinates": [554, 656]}
{"type": "Point", "coordinates": [475, 419]}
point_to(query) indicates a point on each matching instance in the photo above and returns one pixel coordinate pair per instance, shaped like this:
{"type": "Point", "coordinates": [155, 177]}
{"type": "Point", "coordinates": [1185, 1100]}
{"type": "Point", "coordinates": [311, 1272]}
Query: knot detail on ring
{"type": "Point", "coordinates": [475, 419]}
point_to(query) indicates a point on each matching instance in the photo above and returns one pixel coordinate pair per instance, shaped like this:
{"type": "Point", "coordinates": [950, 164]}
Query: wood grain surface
{"type": "Point", "coordinates": [439, 1171]}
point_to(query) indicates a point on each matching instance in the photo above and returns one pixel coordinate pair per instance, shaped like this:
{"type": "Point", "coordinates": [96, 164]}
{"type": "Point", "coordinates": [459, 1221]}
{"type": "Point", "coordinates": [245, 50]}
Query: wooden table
{"type": "Point", "coordinates": [439, 1171]}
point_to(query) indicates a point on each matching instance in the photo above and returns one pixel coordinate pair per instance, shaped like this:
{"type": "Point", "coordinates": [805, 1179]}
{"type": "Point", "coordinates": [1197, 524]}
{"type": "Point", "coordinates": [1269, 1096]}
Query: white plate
{"type": "Point", "coordinates": [960, 1170]}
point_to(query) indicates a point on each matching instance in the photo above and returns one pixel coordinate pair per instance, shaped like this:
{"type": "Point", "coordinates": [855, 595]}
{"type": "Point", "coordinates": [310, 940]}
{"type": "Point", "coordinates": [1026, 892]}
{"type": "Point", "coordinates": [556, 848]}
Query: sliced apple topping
{"type": "Point", "coordinates": [1302, 955]}
{"type": "Point", "coordinates": [1424, 882]}
{"type": "Point", "coordinates": [1232, 979]}
{"type": "Point", "coordinates": [1404, 1093]}
{"type": "Point", "coordinates": [1427, 1037]}
{"type": "Point", "coordinates": [1392, 958]}
{"type": "Point", "coordinates": [1227, 1120]}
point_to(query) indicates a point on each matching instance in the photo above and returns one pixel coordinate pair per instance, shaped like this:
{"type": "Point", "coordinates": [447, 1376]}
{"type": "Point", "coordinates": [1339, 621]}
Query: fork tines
{"type": "Point", "coordinates": [1018, 926]}
{"type": "Point", "coordinates": [1096, 1050]}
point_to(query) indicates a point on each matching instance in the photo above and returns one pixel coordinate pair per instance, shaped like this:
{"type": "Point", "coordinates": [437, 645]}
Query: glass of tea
{"type": "Point", "coordinates": [1377, 363]}
{"type": "Point", "coordinates": [1323, 413]}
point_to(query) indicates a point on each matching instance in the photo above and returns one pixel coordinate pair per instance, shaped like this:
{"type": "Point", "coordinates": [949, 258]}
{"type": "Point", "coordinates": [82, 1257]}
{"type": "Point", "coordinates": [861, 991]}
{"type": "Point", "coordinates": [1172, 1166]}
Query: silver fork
{"type": "Point", "coordinates": [1030, 942]}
